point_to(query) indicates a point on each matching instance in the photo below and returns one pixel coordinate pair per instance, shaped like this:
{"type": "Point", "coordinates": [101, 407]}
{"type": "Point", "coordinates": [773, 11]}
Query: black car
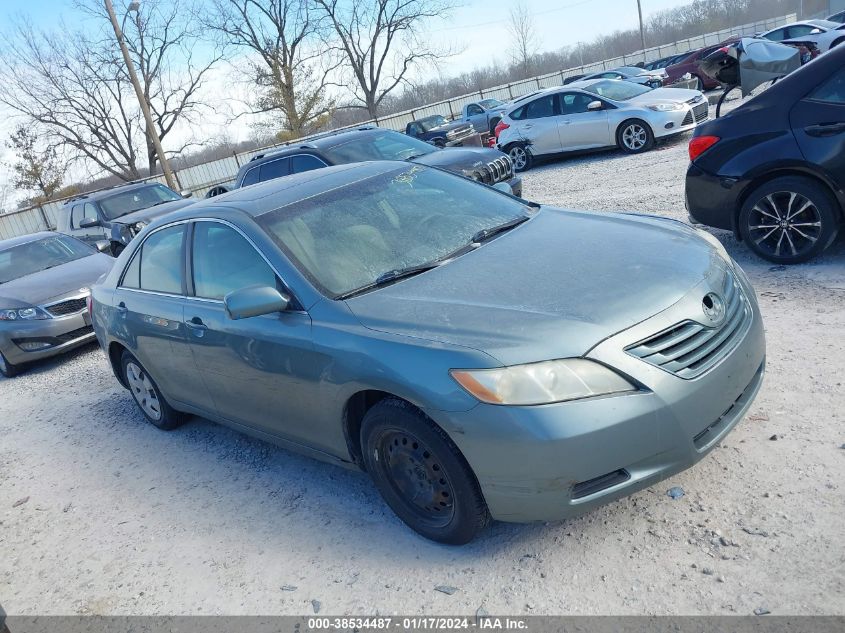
{"type": "Point", "coordinates": [486, 165]}
{"type": "Point", "coordinates": [773, 170]}
{"type": "Point", "coordinates": [117, 214]}
{"type": "Point", "coordinates": [436, 129]}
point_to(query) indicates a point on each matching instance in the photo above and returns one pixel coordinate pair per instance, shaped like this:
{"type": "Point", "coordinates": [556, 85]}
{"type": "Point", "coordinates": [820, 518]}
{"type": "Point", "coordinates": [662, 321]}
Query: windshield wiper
{"type": "Point", "coordinates": [390, 276]}
{"type": "Point", "coordinates": [486, 234]}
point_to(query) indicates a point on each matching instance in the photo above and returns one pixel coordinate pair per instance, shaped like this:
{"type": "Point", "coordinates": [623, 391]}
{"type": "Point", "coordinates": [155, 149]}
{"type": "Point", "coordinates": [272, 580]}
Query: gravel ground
{"type": "Point", "coordinates": [120, 518]}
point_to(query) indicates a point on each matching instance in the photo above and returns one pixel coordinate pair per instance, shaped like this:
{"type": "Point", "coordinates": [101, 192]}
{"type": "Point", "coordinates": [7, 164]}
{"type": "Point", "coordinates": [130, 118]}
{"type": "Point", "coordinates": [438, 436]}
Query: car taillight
{"type": "Point", "coordinates": [500, 126]}
{"type": "Point", "coordinates": [700, 144]}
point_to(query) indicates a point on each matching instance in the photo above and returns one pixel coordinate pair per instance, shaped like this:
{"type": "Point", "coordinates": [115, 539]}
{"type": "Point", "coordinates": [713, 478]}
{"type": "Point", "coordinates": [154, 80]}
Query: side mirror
{"type": "Point", "coordinates": [103, 246]}
{"type": "Point", "coordinates": [186, 194]}
{"type": "Point", "coordinates": [87, 223]}
{"type": "Point", "coordinates": [594, 106]}
{"type": "Point", "coordinates": [254, 301]}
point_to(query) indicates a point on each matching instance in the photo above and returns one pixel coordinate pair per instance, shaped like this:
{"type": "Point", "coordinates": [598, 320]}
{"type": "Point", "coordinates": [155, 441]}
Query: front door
{"type": "Point", "coordinates": [581, 128]}
{"type": "Point", "coordinates": [261, 371]}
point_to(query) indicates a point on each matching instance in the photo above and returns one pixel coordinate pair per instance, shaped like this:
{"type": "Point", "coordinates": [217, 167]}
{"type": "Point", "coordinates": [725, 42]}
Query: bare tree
{"type": "Point", "coordinates": [36, 168]}
{"type": "Point", "coordinates": [382, 43]}
{"type": "Point", "coordinates": [524, 39]}
{"type": "Point", "coordinates": [292, 68]}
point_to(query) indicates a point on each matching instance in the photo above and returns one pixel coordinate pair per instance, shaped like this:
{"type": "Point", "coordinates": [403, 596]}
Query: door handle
{"type": "Point", "coordinates": [825, 129]}
{"type": "Point", "coordinates": [197, 326]}
{"type": "Point", "coordinates": [121, 308]}
{"type": "Point", "coordinates": [527, 127]}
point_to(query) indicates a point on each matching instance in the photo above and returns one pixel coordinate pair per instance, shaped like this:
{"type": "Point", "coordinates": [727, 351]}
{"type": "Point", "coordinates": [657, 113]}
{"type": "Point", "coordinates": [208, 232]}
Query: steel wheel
{"type": "Point", "coordinates": [143, 390]}
{"type": "Point", "coordinates": [785, 223]}
{"type": "Point", "coordinates": [416, 476]}
{"type": "Point", "coordinates": [520, 157]}
{"type": "Point", "coordinates": [634, 136]}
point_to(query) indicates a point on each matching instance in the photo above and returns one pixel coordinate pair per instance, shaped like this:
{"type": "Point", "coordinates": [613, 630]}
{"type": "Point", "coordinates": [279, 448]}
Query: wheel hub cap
{"type": "Point", "coordinates": [143, 391]}
{"type": "Point", "coordinates": [784, 223]}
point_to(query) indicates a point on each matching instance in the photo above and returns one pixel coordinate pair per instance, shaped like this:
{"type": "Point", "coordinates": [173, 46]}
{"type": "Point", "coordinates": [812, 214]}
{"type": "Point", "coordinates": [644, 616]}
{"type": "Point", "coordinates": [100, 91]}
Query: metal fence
{"type": "Point", "coordinates": [200, 178]}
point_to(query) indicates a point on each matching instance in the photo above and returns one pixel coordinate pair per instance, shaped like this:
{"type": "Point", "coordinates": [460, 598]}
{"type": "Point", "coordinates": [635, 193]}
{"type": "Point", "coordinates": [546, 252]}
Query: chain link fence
{"type": "Point", "coordinates": [200, 178]}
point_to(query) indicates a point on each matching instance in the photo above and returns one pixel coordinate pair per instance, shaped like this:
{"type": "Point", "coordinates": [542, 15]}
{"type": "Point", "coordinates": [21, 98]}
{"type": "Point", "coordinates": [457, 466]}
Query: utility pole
{"type": "Point", "coordinates": [642, 30]}
{"type": "Point", "coordinates": [142, 101]}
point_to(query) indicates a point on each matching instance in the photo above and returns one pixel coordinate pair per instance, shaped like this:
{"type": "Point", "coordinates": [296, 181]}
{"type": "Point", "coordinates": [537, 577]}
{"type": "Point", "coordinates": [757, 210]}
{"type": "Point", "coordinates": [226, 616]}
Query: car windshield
{"type": "Point", "coordinates": [617, 90]}
{"type": "Point", "coordinates": [141, 198]}
{"type": "Point", "coordinates": [33, 257]}
{"type": "Point", "coordinates": [431, 122]}
{"type": "Point", "coordinates": [490, 103]}
{"type": "Point", "coordinates": [347, 238]}
{"type": "Point", "coordinates": [386, 146]}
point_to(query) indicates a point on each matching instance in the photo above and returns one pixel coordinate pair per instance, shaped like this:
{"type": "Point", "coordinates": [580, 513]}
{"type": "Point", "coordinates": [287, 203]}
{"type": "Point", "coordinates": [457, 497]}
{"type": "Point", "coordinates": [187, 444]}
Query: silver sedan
{"type": "Point", "coordinates": [594, 114]}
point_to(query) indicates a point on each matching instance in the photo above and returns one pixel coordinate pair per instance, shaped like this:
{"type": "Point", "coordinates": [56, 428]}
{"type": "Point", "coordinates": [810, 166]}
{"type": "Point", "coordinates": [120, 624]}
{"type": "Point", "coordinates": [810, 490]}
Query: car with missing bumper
{"type": "Point", "coordinates": [439, 131]}
{"type": "Point", "coordinates": [45, 281]}
{"type": "Point", "coordinates": [479, 356]}
{"type": "Point", "coordinates": [117, 214]}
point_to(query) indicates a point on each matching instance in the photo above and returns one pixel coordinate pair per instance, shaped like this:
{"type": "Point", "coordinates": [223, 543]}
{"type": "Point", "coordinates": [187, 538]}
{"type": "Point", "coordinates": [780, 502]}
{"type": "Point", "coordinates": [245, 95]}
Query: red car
{"type": "Point", "coordinates": [690, 64]}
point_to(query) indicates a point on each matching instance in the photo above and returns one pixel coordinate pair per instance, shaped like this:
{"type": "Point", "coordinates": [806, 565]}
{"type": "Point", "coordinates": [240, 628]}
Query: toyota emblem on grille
{"type": "Point", "coordinates": [714, 307]}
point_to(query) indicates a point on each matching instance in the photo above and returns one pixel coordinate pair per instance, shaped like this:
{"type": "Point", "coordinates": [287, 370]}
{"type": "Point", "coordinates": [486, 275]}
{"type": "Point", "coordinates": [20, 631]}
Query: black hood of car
{"type": "Point", "coordinates": [457, 158]}
{"type": "Point", "coordinates": [42, 287]}
{"type": "Point", "coordinates": [151, 213]}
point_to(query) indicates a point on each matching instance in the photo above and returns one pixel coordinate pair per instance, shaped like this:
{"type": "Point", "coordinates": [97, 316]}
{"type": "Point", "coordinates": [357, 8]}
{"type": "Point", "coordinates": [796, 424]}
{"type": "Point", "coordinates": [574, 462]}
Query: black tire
{"type": "Point", "coordinates": [8, 369]}
{"type": "Point", "coordinates": [219, 190]}
{"type": "Point", "coordinates": [438, 142]}
{"type": "Point", "coordinates": [634, 136]}
{"type": "Point", "coordinates": [404, 451]}
{"type": "Point", "coordinates": [767, 220]}
{"type": "Point", "coordinates": [521, 156]}
{"type": "Point", "coordinates": [493, 123]}
{"type": "Point", "coordinates": [168, 418]}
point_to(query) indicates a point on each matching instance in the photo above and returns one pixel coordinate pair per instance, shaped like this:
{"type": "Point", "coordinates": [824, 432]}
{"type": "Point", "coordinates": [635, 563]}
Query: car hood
{"type": "Point", "coordinates": [151, 213]}
{"type": "Point", "coordinates": [673, 95]}
{"type": "Point", "coordinates": [553, 287]}
{"type": "Point", "coordinates": [54, 283]}
{"type": "Point", "coordinates": [446, 127]}
{"type": "Point", "coordinates": [459, 157]}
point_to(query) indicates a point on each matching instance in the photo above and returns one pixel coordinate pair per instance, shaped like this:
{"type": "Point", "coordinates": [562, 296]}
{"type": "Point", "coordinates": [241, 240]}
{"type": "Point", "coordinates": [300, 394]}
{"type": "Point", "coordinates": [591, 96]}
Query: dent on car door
{"type": "Point", "coordinates": [148, 318]}
{"type": "Point", "coordinates": [581, 128]}
{"type": "Point", "coordinates": [818, 122]}
{"type": "Point", "coordinates": [262, 371]}
{"type": "Point", "coordinates": [540, 125]}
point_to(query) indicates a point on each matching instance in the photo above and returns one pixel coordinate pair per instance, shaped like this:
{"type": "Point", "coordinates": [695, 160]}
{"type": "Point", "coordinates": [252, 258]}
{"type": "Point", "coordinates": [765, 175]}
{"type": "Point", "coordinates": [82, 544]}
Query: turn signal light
{"type": "Point", "coordinates": [700, 144]}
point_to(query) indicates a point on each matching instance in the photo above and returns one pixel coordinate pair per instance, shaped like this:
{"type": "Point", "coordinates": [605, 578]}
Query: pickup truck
{"type": "Point", "coordinates": [484, 115]}
{"type": "Point", "coordinates": [437, 130]}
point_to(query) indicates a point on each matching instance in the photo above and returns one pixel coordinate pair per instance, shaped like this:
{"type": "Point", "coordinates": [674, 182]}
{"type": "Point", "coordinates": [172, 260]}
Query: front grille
{"type": "Point", "coordinates": [71, 306]}
{"type": "Point", "coordinates": [592, 486]}
{"type": "Point", "coordinates": [67, 337]}
{"type": "Point", "coordinates": [689, 348]}
{"type": "Point", "coordinates": [698, 114]}
{"type": "Point", "coordinates": [499, 170]}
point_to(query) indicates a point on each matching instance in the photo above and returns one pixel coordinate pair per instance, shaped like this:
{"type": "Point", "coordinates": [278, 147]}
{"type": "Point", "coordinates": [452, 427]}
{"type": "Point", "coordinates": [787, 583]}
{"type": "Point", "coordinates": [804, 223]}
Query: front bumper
{"type": "Point", "coordinates": [556, 461]}
{"type": "Point", "coordinates": [665, 124]}
{"type": "Point", "coordinates": [61, 333]}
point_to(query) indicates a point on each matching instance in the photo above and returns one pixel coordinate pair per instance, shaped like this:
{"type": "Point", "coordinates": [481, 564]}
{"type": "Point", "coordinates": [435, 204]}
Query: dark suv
{"type": "Point", "coordinates": [117, 214]}
{"type": "Point", "coordinates": [486, 165]}
{"type": "Point", "coordinates": [437, 130]}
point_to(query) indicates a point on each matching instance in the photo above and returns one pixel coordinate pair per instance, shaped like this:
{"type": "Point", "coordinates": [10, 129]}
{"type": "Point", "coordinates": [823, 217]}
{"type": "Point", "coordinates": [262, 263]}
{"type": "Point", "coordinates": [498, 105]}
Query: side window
{"type": "Point", "coordinates": [132, 275]}
{"type": "Point", "coordinates": [305, 162]}
{"type": "Point", "coordinates": [541, 107]}
{"type": "Point", "coordinates": [223, 261]}
{"type": "Point", "coordinates": [413, 129]}
{"type": "Point", "coordinates": [574, 103]}
{"type": "Point", "coordinates": [518, 114]}
{"type": "Point", "coordinates": [250, 177]}
{"type": "Point", "coordinates": [274, 169]}
{"type": "Point", "coordinates": [831, 90]}
{"type": "Point", "coordinates": [800, 30]}
{"type": "Point", "coordinates": [474, 109]}
{"type": "Point", "coordinates": [777, 36]}
{"type": "Point", "coordinates": [75, 216]}
{"type": "Point", "coordinates": [89, 211]}
{"type": "Point", "coordinates": [161, 261]}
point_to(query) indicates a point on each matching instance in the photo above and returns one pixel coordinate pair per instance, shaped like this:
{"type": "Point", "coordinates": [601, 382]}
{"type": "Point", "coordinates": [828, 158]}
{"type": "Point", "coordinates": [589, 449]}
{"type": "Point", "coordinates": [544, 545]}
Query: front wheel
{"type": "Point", "coordinates": [789, 220]}
{"type": "Point", "coordinates": [147, 395]}
{"type": "Point", "coordinates": [634, 137]}
{"type": "Point", "coordinates": [8, 369]}
{"type": "Point", "coordinates": [421, 474]}
{"type": "Point", "coordinates": [520, 157]}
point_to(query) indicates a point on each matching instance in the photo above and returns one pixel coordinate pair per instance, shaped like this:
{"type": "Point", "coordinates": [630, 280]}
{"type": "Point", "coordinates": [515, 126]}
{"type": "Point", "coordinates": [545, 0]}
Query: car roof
{"type": "Point", "coordinates": [25, 239]}
{"type": "Point", "coordinates": [316, 143]}
{"type": "Point", "coordinates": [100, 194]}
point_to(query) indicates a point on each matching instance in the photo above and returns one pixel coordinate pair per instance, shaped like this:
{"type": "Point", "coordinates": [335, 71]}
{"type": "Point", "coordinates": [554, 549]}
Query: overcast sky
{"type": "Point", "coordinates": [478, 28]}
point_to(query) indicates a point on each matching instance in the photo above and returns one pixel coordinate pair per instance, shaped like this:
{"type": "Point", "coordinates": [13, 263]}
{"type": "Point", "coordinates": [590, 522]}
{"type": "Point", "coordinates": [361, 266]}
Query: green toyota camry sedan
{"type": "Point", "coordinates": [479, 356]}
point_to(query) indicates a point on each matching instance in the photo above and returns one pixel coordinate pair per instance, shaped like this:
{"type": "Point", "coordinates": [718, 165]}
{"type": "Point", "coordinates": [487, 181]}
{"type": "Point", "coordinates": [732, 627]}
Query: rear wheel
{"type": "Point", "coordinates": [634, 136]}
{"type": "Point", "coordinates": [147, 395]}
{"type": "Point", "coordinates": [8, 369]}
{"type": "Point", "coordinates": [421, 474]}
{"type": "Point", "coordinates": [789, 220]}
{"type": "Point", "coordinates": [520, 157]}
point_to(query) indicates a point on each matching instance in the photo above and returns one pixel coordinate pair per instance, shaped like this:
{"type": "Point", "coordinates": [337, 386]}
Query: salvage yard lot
{"type": "Point", "coordinates": [121, 518]}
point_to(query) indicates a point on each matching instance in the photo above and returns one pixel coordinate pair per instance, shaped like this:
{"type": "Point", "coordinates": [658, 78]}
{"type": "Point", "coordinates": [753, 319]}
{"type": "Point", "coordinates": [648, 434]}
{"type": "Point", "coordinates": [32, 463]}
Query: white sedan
{"type": "Point", "coordinates": [596, 114]}
{"type": "Point", "coordinates": [823, 33]}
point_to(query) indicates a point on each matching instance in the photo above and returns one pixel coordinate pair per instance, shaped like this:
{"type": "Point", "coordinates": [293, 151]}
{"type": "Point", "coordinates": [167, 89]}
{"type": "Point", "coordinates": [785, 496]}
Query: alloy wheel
{"type": "Point", "coordinates": [417, 476]}
{"type": "Point", "coordinates": [519, 157]}
{"type": "Point", "coordinates": [143, 390]}
{"type": "Point", "coordinates": [785, 223]}
{"type": "Point", "coordinates": [634, 136]}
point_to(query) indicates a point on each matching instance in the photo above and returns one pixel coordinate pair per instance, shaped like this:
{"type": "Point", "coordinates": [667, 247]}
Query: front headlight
{"type": "Point", "coordinates": [665, 107]}
{"type": "Point", "coordinates": [541, 383]}
{"type": "Point", "coordinates": [138, 227]}
{"type": "Point", "coordinates": [715, 243]}
{"type": "Point", "coordinates": [23, 314]}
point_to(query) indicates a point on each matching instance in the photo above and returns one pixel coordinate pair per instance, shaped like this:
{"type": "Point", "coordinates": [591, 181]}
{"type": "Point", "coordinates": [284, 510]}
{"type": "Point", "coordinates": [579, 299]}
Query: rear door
{"type": "Point", "coordinates": [581, 128]}
{"type": "Point", "coordinates": [818, 122]}
{"type": "Point", "coordinates": [539, 124]}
